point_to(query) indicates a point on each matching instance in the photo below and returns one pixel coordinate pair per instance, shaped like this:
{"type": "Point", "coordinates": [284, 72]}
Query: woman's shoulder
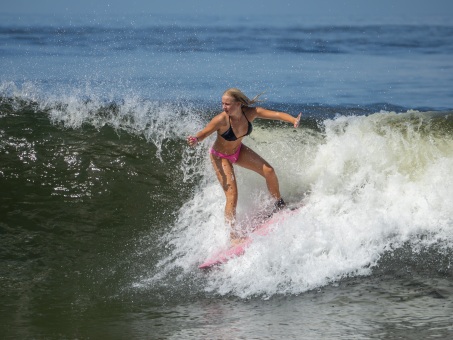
{"type": "Point", "coordinates": [220, 119]}
{"type": "Point", "coordinates": [251, 111]}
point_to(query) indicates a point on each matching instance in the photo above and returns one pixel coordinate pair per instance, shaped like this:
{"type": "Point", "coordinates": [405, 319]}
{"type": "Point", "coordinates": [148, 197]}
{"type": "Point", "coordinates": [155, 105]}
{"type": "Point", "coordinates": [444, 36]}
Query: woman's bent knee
{"type": "Point", "coordinates": [269, 171]}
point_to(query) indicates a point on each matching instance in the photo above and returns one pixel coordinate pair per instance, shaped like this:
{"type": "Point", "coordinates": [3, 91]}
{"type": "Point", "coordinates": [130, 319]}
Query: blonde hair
{"type": "Point", "coordinates": [239, 96]}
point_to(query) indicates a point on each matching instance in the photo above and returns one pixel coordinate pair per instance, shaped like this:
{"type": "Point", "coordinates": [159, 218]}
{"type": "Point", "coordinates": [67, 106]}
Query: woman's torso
{"type": "Point", "coordinates": [232, 130]}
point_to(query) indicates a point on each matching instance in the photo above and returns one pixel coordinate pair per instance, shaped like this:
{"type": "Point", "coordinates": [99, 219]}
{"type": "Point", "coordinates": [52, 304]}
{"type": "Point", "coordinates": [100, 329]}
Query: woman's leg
{"type": "Point", "coordinates": [225, 174]}
{"type": "Point", "coordinates": [249, 159]}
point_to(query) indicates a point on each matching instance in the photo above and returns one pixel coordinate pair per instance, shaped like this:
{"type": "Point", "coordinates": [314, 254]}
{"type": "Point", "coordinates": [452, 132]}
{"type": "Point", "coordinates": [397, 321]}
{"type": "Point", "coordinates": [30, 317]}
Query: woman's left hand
{"type": "Point", "coordinates": [297, 122]}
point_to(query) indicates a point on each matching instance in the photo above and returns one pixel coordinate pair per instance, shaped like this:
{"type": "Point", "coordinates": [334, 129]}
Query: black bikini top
{"type": "Point", "coordinates": [229, 134]}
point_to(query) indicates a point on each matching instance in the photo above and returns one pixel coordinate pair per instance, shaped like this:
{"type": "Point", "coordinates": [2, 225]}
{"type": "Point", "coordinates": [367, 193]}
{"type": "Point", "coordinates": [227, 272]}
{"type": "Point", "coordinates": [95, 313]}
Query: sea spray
{"type": "Point", "coordinates": [72, 107]}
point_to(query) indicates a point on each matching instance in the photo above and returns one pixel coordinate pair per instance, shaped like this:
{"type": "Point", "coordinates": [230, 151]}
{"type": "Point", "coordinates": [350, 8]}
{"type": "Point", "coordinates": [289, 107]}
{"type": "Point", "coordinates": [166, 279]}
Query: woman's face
{"type": "Point", "coordinates": [230, 105]}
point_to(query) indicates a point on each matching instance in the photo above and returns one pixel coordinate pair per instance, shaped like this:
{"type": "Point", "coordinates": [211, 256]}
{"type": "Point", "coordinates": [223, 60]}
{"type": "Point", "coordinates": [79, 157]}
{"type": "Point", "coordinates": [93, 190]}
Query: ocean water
{"type": "Point", "coordinates": [105, 213]}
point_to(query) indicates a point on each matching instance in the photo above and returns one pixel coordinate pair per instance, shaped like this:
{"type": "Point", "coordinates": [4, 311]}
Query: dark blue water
{"type": "Point", "coordinates": [105, 213]}
{"type": "Point", "coordinates": [168, 58]}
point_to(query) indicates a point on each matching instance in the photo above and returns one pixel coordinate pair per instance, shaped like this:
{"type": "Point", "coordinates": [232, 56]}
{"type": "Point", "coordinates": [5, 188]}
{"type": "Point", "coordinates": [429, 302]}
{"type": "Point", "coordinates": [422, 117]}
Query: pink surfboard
{"type": "Point", "coordinates": [263, 229]}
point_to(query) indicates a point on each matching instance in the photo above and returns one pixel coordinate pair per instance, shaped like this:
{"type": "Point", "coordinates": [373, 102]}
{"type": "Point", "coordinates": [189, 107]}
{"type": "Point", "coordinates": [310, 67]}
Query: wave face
{"type": "Point", "coordinates": [371, 185]}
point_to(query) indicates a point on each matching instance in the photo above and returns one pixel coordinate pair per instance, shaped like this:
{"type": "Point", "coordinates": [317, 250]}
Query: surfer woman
{"type": "Point", "coordinates": [232, 125]}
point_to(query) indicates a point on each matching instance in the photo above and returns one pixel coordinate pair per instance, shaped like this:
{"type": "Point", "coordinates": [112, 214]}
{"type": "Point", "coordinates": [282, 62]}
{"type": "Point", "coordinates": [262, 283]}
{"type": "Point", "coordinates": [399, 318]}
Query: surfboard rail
{"type": "Point", "coordinates": [239, 249]}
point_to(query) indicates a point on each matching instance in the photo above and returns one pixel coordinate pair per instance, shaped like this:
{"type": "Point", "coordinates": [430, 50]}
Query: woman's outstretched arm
{"type": "Point", "coordinates": [275, 115]}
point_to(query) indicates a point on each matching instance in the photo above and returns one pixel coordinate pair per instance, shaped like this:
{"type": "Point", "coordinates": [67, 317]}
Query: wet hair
{"type": "Point", "coordinates": [239, 96]}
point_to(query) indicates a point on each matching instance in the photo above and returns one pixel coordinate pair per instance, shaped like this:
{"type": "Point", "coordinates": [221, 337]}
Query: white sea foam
{"type": "Point", "coordinates": [371, 184]}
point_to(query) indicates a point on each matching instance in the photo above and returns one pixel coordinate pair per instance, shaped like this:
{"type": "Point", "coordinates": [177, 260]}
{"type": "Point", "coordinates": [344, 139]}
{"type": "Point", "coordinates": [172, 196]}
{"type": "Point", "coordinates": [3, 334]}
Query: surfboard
{"type": "Point", "coordinates": [239, 249]}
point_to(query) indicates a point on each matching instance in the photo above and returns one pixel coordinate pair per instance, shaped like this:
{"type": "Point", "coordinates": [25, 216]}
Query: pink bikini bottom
{"type": "Point", "coordinates": [232, 158]}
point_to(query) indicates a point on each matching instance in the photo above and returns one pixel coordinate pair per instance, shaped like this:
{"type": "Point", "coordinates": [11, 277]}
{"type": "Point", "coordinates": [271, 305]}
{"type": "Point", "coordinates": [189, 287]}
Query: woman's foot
{"type": "Point", "coordinates": [235, 238]}
{"type": "Point", "coordinates": [237, 241]}
{"type": "Point", "coordinates": [279, 205]}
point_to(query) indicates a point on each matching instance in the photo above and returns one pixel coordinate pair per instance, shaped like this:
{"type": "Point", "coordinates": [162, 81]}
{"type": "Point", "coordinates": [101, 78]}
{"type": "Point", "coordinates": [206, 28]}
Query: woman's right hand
{"type": "Point", "coordinates": [192, 141]}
